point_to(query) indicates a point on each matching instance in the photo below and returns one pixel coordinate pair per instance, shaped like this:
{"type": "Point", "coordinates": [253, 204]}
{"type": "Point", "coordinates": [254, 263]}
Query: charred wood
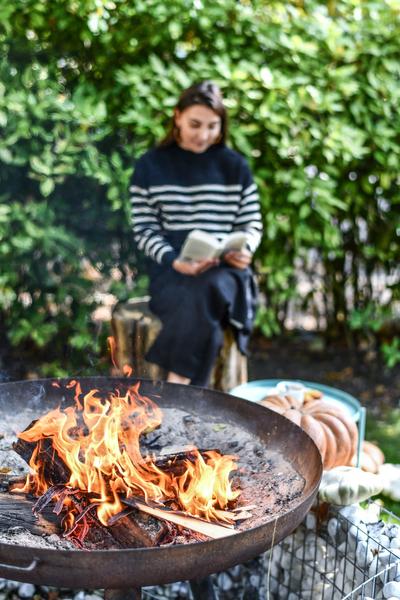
{"type": "Point", "coordinates": [175, 462]}
{"type": "Point", "coordinates": [55, 470]}
{"type": "Point", "coordinates": [87, 531]}
{"type": "Point", "coordinates": [137, 529]}
{"type": "Point", "coordinates": [9, 480]}
{"type": "Point", "coordinates": [16, 511]}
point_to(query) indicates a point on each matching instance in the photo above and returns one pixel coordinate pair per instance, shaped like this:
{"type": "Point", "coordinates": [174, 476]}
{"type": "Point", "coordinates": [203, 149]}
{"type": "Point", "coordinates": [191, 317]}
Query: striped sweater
{"type": "Point", "coordinates": [174, 191]}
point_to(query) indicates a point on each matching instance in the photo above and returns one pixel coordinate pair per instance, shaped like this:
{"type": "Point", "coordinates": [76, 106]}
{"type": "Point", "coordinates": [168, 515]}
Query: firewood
{"type": "Point", "coordinates": [9, 480]}
{"type": "Point", "coordinates": [130, 531]}
{"type": "Point", "coordinates": [211, 530]}
{"type": "Point", "coordinates": [174, 462]}
{"type": "Point", "coordinates": [138, 529]}
{"type": "Point", "coordinates": [16, 511]}
{"type": "Point", "coordinates": [88, 531]}
{"type": "Point", "coordinates": [55, 471]}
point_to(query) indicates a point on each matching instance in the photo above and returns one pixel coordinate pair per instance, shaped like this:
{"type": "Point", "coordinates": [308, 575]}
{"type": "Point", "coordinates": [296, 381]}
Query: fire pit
{"type": "Point", "coordinates": [279, 472]}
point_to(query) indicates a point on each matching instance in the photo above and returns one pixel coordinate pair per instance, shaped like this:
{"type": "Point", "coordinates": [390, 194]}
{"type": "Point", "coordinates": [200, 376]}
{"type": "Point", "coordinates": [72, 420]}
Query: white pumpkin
{"type": "Point", "coordinates": [390, 474]}
{"type": "Point", "coordinates": [348, 485]}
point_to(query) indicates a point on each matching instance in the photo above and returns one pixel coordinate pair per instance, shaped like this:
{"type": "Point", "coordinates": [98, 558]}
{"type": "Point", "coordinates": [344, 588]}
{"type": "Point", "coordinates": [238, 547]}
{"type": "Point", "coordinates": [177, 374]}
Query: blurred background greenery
{"type": "Point", "coordinates": [87, 86]}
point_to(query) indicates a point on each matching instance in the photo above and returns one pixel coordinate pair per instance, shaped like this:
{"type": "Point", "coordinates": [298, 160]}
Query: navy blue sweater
{"type": "Point", "coordinates": [174, 191]}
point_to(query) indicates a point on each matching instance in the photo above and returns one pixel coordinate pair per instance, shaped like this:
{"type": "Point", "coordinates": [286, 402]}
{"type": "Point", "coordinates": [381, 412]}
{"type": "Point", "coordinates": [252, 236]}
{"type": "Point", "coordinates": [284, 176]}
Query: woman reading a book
{"type": "Point", "coordinates": [192, 181]}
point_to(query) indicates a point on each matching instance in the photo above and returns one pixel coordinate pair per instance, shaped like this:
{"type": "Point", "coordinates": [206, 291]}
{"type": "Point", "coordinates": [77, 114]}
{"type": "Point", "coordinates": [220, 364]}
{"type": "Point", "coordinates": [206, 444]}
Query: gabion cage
{"type": "Point", "coordinates": [335, 554]}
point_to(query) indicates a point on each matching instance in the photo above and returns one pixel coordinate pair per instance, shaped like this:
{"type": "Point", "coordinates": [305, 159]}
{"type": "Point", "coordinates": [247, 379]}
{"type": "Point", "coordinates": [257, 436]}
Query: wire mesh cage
{"type": "Point", "coordinates": [351, 552]}
{"type": "Point", "coordinates": [337, 553]}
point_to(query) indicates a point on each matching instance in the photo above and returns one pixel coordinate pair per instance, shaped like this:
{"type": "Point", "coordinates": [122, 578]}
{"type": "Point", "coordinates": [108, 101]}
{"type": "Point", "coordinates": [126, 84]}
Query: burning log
{"type": "Point", "coordinates": [142, 528]}
{"type": "Point", "coordinates": [211, 530]}
{"type": "Point", "coordinates": [16, 511]}
{"type": "Point", "coordinates": [175, 462]}
{"type": "Point", "coordinates": [42, 452]}
{"type": "Point", "coordinates": [132, 526]}
{"type": "Point", "coordinates": [144, 531]}
{"type": "Point", "coordinates": [125, 530]}
{"type": "Point", "coordinates": [9, 480]}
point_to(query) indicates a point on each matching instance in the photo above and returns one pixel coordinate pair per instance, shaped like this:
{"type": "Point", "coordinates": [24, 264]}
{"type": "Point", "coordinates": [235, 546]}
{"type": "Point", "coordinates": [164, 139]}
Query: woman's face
{"type": "Point", "coordinates": [199, 127]}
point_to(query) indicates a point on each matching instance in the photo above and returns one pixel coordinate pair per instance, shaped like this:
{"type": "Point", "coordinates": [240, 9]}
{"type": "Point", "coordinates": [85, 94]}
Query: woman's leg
{"type": "Point", "coordinates": [175, 378]}
{"type": "Point", "coordinates": [193, 311]}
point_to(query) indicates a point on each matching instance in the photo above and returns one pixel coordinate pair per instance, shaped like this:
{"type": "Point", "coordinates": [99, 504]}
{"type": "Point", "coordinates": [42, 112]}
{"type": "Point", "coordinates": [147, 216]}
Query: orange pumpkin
{"type": "Point", "coordinates": [330, 426]}
{"type": "Point", "coordinates": [371, 457]}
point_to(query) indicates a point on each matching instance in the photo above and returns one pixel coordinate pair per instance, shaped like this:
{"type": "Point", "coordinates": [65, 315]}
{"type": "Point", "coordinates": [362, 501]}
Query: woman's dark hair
{"type": "Point", "coordinates": [207, 94]}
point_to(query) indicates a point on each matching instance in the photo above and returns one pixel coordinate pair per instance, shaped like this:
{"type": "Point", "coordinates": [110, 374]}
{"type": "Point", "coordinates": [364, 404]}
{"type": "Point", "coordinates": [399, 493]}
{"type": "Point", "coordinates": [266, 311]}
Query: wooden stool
{"type": "Point", "coordinates": [135, 328]}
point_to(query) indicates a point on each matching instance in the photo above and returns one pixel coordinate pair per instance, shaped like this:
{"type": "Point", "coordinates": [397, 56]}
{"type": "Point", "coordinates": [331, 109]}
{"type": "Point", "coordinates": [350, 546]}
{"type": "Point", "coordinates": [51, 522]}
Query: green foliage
{"type": "Point", "coordinates": [86, 87]}
{"type": "Point", "coordinates": [385, 432]}
{"type": "Point", "coordinates": [371, 321]}
{"type": "Point", "coordinates": [391, 352]}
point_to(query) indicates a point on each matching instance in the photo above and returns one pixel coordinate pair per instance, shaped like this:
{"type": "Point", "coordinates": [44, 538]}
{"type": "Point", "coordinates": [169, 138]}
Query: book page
{"type": "Point", "coordinates": [200, 245]}
{"type": "Point", "coordinates": [236, 240]}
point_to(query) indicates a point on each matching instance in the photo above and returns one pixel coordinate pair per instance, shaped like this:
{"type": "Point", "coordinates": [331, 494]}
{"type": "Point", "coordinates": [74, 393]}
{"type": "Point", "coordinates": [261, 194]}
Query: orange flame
{"type": "Point", "coordinates": [112, 344]}
{"type": "Point", "coordinates": [99, 441]}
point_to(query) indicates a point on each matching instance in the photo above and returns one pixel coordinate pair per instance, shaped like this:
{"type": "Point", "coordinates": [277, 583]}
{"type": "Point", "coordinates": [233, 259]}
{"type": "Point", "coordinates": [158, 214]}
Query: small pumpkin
{"type": "Point", "coordinates": [371, 458]}
{"type": "Point", "coordinates": [348, 485]}
{"type": "Point", "coordinates": [331, 428]}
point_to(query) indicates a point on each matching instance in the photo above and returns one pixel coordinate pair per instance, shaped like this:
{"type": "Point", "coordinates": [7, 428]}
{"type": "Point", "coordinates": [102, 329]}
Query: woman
{"type": "Point", "coordinates": [193, 181]}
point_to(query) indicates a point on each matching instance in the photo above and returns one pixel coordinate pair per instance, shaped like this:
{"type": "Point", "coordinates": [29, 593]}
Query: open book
{"type": "Point", "coordinates": [200, 245]}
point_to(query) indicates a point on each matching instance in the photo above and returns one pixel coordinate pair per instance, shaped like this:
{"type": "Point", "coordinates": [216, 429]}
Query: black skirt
{"type": "Point", "coordinates": [194, 311]}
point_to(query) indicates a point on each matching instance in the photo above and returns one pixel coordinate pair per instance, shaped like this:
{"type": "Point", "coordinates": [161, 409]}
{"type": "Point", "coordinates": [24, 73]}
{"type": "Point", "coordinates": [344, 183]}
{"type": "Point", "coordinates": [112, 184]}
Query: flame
{"type": "Point", "coordinates": [98, 440]}
{"type": "Point", "coordinates": [205, 489]}
{"type": "Point", "coordinates": [127, 370]}
{"type": "Point", "coordinates": [112, 344]}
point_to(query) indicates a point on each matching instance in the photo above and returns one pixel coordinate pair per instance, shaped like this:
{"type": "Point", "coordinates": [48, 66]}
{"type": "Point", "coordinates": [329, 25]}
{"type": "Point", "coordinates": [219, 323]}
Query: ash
{"type": "Point", "coordinates": [263, 475]}
{"type": "Point", "coordinates": [20, 536]}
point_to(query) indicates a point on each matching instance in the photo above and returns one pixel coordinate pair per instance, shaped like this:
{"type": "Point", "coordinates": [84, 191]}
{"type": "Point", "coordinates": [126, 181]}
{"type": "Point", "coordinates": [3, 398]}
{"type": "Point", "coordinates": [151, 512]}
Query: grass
{"type": "Point", "coordinates": [385, 432]}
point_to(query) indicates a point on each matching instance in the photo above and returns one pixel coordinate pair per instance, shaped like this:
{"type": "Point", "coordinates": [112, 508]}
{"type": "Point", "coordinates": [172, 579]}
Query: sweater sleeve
{"type": "Point", "coordinates": [147, 229]}
{"type": "Point", "coordinates": [248, 218]}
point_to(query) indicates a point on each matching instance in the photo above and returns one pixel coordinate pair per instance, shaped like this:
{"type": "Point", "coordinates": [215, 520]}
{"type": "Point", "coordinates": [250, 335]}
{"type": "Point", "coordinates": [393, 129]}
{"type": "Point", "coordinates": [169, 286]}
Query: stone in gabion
{"type": "Point", "coordinates": [26, 590]}
{"type": "Point", "coordinates": [358, 533]}
{"type": "Point", "coordinates": [372, 514]}
{"type": "Point", "coordinates": [272, 586]}
{"type": "Point", "coordinates": [311, 521]}
{"type": "Point", "coordinates": [12, 585]}
{"type": "Point", "coordinates": [376, 529]}
{"type": "Point", "coordinates": [236, 571]}
{"type": "Point", "coordinates": [255, 580]}
{"type": "Point", "coordinates": [392, 589]}
{"type": "Point", "coordinates": [352, 513]}
{"type": "Point", "coordinates": [385, 558]}
{"type": "Point", "coordinates": [334, 528]}
{"type": "Point", "coordinates": [394, 531]}
{"type": "Point", "coordinates": [373, 567]}
{"type": "Point", "coordinates": [224, 582]}
{"type": "Point", "coordinates": [364, 554]}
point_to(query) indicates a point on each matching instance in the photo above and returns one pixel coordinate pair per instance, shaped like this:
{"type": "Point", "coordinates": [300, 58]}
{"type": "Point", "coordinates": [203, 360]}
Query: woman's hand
{"type": "Point", "coordinates": [238, 259]}
{"type": "Point", "coordinates": [194, 267]}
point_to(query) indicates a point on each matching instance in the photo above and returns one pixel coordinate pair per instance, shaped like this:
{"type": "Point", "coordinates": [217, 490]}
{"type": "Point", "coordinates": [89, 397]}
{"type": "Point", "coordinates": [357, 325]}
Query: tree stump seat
{"type": "Point", "coordinates": [135, 328]}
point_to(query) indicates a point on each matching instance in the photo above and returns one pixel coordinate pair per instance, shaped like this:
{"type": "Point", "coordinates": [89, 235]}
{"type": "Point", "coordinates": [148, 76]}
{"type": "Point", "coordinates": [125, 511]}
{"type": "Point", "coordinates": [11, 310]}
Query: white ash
{"type": "Point", "coordinates": [20, 536]}
{"type": "Point", "coordinates": [11, 464]}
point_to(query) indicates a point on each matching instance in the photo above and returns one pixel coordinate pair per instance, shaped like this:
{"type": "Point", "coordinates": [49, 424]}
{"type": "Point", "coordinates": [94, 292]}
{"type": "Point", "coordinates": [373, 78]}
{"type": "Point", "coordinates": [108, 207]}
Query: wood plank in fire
{"type": "Point", "coordinates": [16, 511]}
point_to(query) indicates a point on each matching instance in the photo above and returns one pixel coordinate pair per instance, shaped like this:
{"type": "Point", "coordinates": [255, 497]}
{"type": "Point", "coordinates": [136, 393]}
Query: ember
{"type": "Point", "coordinates": [86, 459]}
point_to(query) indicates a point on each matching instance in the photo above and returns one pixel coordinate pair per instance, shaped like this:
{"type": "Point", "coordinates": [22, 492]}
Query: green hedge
{"type": "Point", "coordinates": [85, 87]}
